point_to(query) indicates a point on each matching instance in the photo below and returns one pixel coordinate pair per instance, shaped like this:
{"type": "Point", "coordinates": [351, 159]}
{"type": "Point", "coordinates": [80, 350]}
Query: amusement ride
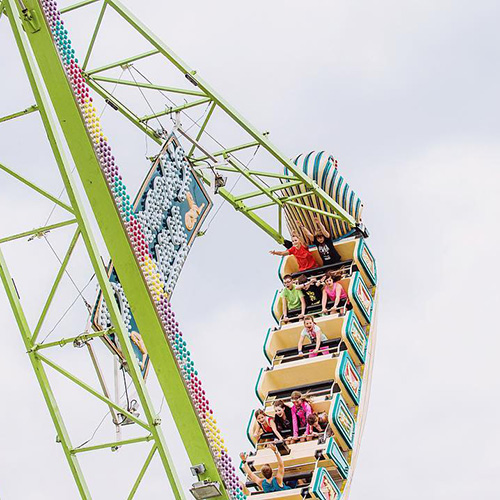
{"type": "Point", "coordinates": [204, 149]}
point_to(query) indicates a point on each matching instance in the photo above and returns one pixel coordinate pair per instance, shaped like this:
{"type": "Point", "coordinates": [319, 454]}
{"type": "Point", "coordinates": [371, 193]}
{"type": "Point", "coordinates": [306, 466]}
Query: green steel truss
{"type": "Point", "coordinates": [41, 363]}
{"type": "Point", "coordinates": [184, 95]}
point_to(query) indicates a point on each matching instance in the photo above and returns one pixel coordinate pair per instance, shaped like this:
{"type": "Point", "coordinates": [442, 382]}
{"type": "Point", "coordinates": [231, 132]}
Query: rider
{"type": "Point", "coordinates": [269, 483]}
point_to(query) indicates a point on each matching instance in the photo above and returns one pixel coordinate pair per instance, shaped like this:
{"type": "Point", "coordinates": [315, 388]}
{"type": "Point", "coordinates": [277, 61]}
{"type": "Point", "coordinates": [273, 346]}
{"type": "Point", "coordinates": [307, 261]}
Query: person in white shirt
{"type": "Point", "coordinates": [314, 334]}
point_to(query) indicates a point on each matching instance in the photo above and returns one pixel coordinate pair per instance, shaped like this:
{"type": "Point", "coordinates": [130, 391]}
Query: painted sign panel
{"type": "Point", "coordinates": [323, 487]}
{"type": "Point", "coordinates": [356, 336]}
{"type": "Point", "coordinates": [333, 453]}
{"type": "Point", "coordinates": [367, 260]}
{"type": "Point", "coordinates": [350, 377]}
{"type": "Point", "coordinates": [361, 296]}
{"type": "Point", "coordinates": [342, 420]}
{"type": "Point", "coordinates": [171, 206]}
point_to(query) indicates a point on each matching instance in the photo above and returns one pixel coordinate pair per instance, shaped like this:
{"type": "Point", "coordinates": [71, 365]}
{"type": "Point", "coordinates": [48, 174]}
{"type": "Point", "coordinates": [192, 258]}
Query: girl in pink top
{"type": "Point", "coordinates": [301, 409]}
{"type": "Point", "coordinates": [333, 291]}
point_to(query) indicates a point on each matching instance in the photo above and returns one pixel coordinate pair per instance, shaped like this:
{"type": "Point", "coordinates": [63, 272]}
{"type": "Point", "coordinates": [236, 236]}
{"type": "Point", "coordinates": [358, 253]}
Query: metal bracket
{"type": "Point", "coordinates": [29, 17]}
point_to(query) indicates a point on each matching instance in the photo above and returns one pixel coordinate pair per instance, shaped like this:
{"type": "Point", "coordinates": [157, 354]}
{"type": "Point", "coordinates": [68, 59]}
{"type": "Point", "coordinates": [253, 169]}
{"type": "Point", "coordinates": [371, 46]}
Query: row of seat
{"type": "Point", "coordinates": [331, 381]}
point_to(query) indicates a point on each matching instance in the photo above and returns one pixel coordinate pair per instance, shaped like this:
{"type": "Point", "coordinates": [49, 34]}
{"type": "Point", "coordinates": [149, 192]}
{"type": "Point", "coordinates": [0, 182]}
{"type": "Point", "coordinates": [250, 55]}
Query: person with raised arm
{"type": "Point", "coordinates": [268, 483]}
{"type": "Point", "coordinates": [292, 300]}
{"type": "Point", "coordinates": [301, 252]}
{"type": "Point", "coordinates": [312, 289]}
{"type": "Point", "coordinates": [322, 240]}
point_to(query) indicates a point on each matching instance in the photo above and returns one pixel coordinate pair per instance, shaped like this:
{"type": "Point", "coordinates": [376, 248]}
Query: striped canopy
{"type": "Point", "coordinates": [322, 168]}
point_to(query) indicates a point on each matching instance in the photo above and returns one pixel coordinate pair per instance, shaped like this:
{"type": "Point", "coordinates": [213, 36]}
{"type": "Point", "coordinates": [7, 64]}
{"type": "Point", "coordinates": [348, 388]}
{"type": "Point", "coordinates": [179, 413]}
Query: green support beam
{"type": "Point", "coordinates": [122, 62]}
{"type": "Point", "coordinates": [82, 338]}
{"type": "Point", "coordinates": [47, 61]}
{"type": "Point", "coordinates": [55, 285]}
{"type": "Point", "coordinates": [36, 188]}
{"type": "Point", "coordinates": [143, 85]}
{"type": "Point", "coordinates": [43, 381]}
{"type": "Point", "coordinates": [24, 112]}
{"type": "Point", "coordinates": [121, 252]}
{"type": "Point", "coordinates": [141, 473]}
{"type": "Point", "coordinates": [175, 109]}
{"type": "Point", "coordinates": [94, 35]}
{"type": "Point", "coordinates": [103, 446]}
{"type": "Point", "coordinates": [39, 231]}
{"type": "Point", "coordinates": [78, 5]}
{"type": "Point", "coordinates": [261, 138]}
{"type": "Point", "coordinates": [201, 88]}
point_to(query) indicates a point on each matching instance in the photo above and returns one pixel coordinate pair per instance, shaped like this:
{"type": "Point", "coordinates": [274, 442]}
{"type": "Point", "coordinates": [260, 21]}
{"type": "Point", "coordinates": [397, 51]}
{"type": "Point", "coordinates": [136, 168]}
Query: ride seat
{"type": "Point", "coordinates": [292, 353]}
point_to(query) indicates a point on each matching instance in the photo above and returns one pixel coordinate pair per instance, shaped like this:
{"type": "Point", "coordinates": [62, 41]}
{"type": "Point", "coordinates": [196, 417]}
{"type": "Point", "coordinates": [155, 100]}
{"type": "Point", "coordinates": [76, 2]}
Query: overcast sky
{"type": "Point", "coordinates": [405, 95]}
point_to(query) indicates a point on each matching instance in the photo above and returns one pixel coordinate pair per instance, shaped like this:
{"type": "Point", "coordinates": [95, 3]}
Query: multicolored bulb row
{"type": "Point", "coordinates": [141, 248]}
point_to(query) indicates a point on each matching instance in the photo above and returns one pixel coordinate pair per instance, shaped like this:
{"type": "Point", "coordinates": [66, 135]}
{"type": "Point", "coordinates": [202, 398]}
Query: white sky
{"type": "Point", "coordinates": [404, 94]}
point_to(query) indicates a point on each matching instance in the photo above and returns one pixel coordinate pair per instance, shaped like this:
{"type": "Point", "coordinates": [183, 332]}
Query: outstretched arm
{"type": "Point", "coordinates": [321, 227]}
{"type": "Point", "coordinates": [256, 479]}
{"type": "Point", "coordinates": [276, 432]}
{"type": "Point", "coordinates": [280, 474]}
{"type": "Point", "coordinates": [279, 252]}
{"type": "Point", "coordinates": [257, 433]}
{"type": "Point", "coordinates": [308, 236]}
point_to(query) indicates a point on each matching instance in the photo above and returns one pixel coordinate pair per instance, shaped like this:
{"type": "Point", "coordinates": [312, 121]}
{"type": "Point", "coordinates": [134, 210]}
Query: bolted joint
{"type": "Point", "coordinates": [30, 19]}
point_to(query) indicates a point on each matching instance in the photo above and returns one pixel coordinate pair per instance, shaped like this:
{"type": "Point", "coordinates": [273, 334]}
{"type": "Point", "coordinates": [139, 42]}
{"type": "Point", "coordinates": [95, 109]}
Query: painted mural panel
{"type": "Point", "coordinates": [333, 452]}
{"type": "Point", "coordinates": [170, 206]}
{"type": "Point", "coordinates": [367, 260]}
{"type": "Point", "coordinates": [355, 334]}
{"type": "Point", "coordinates": [350, 377]}
{"type": "Point", "coordinates": [323, 486]}
{"type": "Point", "coordinates": [342, 420]}
{"type": "Point", "coordinates": [362, 297]}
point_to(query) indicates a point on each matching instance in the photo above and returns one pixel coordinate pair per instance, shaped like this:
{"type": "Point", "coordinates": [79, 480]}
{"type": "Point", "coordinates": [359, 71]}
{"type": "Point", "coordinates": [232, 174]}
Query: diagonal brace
{"type": "Point", "coordinates": [38, 231]}
{"type": "Point", "coordinates": [55, 285]}
{"type": "Point", "coordinates": [36, 188]}
{"type": "Point", "coordinates": [92, 391]}
{"type": "Point", "coordinates": [103, 446]}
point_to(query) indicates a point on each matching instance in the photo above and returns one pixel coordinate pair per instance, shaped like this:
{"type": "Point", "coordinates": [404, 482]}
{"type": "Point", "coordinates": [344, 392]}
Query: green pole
{"type": "Point", "coordinates": [121, 252]}
{"type": "Point", "coordinates": [43, 381]}
{"type": "Point", "coordinates": [44, 50]}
